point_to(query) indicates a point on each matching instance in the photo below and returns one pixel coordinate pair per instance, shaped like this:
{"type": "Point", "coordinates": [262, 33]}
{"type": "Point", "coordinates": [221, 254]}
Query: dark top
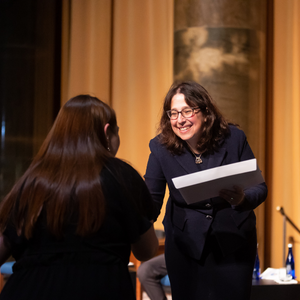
{"type": "Point", "coordinates": [188, 225]}
{"type": "Point", "coordinates": [92, 267]}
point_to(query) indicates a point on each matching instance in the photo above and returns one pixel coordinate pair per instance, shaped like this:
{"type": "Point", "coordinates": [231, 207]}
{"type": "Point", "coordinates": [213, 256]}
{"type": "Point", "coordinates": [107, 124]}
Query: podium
{"type": "Point", "coordinates": [270, 290]}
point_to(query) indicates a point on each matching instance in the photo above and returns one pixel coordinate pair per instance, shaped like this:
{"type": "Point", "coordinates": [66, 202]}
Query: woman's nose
{"type": "Point", "coordinates": [181, 118]}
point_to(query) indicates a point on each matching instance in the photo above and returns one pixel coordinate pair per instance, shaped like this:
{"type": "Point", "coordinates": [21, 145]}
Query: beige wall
{"type": "Point", "coordinates": [142, 74]}
{"type": "Point", "coordinates": [286, 128]}
{"type": "Point", "coordinates": [86, 48]}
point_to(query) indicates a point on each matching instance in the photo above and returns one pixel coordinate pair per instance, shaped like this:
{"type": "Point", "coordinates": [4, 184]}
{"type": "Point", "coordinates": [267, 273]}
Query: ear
{"type": "Point", "coordinates": [105, 129]}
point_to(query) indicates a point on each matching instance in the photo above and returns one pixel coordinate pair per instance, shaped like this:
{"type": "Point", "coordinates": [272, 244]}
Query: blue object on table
{"type": "Point", "coordinates": [6, 268]}
{"type": "Point", "coordinates": [165, 281]}
{"type": "Point", "coordinates": [290, 263]}
{"type": "Point", "coordinates": [256, 269]}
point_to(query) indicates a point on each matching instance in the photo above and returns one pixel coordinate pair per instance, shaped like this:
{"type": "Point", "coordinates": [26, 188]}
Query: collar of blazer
{"type": "Point", "coordinates": [188, 162]}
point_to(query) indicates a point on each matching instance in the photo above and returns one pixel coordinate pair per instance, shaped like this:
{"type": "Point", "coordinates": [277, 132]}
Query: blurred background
{"type": "Point", "coordinates": [128, 53]}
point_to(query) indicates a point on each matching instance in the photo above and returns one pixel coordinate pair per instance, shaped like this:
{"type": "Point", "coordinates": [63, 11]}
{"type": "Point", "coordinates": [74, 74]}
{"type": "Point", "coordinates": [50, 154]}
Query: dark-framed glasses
{"type": "Point", "coordinates": [186, 113]}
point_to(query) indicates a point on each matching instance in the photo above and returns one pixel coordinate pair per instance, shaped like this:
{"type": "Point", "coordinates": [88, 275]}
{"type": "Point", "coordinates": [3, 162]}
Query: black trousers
{"type": "Point", "coordinates": [213, 277]}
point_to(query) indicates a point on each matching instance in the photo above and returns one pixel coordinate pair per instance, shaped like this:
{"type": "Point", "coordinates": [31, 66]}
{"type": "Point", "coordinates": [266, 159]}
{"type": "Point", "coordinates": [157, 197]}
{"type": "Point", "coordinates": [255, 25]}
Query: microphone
{"type": "Point", "coordinates": [281, 210]}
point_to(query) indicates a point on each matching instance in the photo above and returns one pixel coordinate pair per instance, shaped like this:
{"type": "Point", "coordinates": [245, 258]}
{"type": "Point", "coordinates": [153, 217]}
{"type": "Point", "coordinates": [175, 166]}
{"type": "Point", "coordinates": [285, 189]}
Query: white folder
{"type": "Point", "coordinates": [207, 184]}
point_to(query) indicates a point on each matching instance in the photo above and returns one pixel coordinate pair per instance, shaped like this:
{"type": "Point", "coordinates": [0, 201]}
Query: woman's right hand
{"type": "Point", "coordinates": [234, 197]}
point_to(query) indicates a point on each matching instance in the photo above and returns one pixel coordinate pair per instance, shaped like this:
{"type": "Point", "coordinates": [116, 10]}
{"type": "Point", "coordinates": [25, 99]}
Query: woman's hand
{"type": "Point", "coordinates": [233, 197]}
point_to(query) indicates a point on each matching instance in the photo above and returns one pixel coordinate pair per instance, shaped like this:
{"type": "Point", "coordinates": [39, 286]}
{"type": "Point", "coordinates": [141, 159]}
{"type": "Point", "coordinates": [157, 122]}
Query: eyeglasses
{"type": "Point", "coordinates": [186, 113]}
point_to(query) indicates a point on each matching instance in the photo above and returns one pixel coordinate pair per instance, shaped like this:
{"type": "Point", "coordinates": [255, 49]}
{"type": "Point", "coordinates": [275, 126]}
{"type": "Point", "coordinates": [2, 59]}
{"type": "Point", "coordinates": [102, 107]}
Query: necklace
{"type": "Point", "coordinates": [198, 159]}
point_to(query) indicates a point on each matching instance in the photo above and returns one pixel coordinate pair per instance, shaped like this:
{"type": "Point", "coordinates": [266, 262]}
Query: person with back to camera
{"type": "Point", "coordinates": [210, 246]}
{"type": "Point", "coordinates": [73, 218]}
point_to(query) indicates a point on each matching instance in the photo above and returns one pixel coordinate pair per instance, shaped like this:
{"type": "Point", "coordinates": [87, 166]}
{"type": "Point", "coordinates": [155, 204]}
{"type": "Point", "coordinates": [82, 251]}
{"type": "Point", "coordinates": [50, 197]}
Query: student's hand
{"type": "Point", "coordinates": [233, 197]}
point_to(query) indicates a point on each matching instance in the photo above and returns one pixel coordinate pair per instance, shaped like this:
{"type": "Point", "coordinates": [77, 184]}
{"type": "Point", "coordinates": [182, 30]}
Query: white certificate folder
{"type": "Point", "coordinates": [207, 184]}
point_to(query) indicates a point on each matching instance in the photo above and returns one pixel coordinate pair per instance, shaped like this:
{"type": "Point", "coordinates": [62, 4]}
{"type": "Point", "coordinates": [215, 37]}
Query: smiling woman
{"type": "Point", "coordinates": [200, 126]}
{"type": "Point", "coordinates": [208, 240]}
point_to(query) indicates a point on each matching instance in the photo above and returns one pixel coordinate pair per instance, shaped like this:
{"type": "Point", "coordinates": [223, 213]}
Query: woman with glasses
{"type": "Point", "coordinates": [73, 218]}
{"type": "Point", "coordinates": [210, 245]}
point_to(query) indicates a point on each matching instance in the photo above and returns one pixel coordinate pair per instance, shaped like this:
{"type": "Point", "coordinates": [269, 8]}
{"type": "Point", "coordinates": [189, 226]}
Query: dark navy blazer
{"type": "Point", "coordinates": [189, 225]}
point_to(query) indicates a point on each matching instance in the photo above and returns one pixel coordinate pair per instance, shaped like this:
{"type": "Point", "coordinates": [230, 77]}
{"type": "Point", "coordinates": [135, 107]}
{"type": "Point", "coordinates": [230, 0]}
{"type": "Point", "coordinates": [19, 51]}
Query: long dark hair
{"type": "Point", "coordinates": [64, 176]}
{"type": "Point", "coordinates": [214, 129]}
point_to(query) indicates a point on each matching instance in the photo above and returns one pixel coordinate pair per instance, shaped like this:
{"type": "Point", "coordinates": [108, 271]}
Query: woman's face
{"type": "Point", "coordinates": [188, 129]}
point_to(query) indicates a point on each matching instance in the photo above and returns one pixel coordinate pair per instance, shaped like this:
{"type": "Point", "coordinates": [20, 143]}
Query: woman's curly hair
{"type": "Point", "coordinates": [214, 129]}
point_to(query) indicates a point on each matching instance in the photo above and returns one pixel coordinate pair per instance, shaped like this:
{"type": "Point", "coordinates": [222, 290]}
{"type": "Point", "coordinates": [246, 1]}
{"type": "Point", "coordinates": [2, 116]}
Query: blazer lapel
{"type": "Point", "coordinates": [216, 159]}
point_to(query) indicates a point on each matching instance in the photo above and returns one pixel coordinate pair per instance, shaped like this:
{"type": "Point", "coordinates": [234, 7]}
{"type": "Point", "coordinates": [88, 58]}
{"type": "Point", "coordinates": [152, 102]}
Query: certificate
{"type": "Point", "coordinates": [207, 184]}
